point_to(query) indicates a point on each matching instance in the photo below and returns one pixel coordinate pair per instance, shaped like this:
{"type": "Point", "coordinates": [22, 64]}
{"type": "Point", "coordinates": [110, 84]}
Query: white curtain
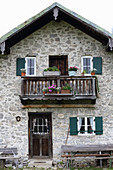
{"type": "Point", "coordinates": [46, 124]}
{"type": "Point", "coordinates": [91, 122]}
{"type": "Point", "coordinates": [80, 123]}
{"type": "Point", "coordinates": [34, 124]}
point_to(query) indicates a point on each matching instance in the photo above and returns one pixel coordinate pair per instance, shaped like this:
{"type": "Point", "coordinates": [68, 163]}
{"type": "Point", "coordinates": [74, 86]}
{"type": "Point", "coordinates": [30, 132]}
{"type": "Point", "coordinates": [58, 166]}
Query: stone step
{"type": "Point", "coordinates": [44, 163]}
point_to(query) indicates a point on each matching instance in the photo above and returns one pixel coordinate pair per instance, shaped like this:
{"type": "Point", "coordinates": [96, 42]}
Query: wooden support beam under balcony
{"type": "Point", "coordinates": [83, 90]}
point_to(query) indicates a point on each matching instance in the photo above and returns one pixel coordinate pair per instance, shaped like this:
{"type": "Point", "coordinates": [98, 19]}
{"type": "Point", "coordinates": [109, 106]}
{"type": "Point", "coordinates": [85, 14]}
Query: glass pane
{"type": "Point", "coordinates": [28, 71]}
{"type": "Point", "coordinates": [32, 62]}
{"type": "Point", "coordinates": [31, 71]}
{"type": "Point", "coordinates": [88, 70]}
{"type": "Point", "coordinates": [83, 121]}
{"type": "Point", "coordinates": [40, 129]}
{"type": "Point", "coordinates": [28, 62]}
{"type": "Point", "coordinates": [82, 128]}
{"type": "Point", "coordinates": [40, 121]}
{"type": "Point", "coordinates": [90, 125]}
{"type": "Point", "coordinates": [87, 61]}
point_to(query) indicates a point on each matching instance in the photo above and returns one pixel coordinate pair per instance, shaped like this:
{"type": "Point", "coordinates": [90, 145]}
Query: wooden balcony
{"type": "Point", "coordinates": [83, 90]}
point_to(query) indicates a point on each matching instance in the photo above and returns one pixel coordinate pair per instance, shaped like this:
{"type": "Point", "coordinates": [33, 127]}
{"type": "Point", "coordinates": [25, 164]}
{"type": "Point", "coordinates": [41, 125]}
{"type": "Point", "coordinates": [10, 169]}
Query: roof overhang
{"type": "Point", "coordinates": [55, 12]}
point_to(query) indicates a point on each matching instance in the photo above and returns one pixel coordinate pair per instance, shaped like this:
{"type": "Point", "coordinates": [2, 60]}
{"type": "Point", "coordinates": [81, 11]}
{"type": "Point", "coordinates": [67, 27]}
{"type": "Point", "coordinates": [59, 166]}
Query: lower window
{"type": "Point", "coordinates": [86, 125]}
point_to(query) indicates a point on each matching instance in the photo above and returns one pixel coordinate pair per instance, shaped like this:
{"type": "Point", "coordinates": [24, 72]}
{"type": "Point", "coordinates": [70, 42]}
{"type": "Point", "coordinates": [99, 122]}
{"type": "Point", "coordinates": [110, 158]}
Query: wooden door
{"type": "Point", "coordinates": [61, 62]}
{"type": "Point", "coordinates": [40, 139]}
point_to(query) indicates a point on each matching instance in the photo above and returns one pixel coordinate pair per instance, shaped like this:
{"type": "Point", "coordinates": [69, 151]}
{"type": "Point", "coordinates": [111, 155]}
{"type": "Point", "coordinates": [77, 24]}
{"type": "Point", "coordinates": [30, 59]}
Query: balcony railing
{"type": "Point", "coordinates": [83, 87]}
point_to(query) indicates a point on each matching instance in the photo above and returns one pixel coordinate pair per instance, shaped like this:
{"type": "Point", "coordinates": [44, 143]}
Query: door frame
{"type": "Point", "coordinates": [30, 146]}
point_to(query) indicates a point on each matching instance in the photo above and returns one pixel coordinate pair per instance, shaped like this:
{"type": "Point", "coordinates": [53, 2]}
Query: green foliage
{"type": "Point", "coordinates": [66, 87]}
{"type": "Point", "coordinates": [84, 71]}
{"type": "Point", "coordinates": [73, 68]}
{"type": "Point", "coordinates": [94, 70]}
{"type": "Point", "coordinates": [44, 90]}
{"type": "Point", "coordinates": [54, 68]}
{"type": "Point", "coordinates": [51, 88]}
{"type": "Point", "coordinates": [23, 70]}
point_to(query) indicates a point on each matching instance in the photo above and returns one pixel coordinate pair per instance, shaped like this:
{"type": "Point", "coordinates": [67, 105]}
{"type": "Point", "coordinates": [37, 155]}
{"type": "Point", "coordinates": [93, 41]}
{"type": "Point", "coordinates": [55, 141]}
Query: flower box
{"type": "Point", "coordinates": [51, 92]}
{"type": "Point", "coordinates": [51, 73]}
{"type": "Point", "coordinates": [65, 91]}
{"type": "Point", "coordinates": [72, 73]}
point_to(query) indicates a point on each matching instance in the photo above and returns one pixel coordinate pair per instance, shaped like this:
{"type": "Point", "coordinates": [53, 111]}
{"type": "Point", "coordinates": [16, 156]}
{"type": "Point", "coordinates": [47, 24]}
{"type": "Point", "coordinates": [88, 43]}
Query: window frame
{"type": "Point", "coordinates": [26, 64]}
{"type": "Point", "coordinates": [86, 126]}
{"type": "Point", "coordinates": [91, 64]}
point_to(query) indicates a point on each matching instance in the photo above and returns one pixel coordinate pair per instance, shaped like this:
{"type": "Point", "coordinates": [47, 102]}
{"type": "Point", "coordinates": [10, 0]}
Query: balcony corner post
{"type": "Point", "coordinates": [22, 87]}
{"type": "Point", "coordinates": [58, 82]}
{"type": "Point", "coordinates": [94, 83]}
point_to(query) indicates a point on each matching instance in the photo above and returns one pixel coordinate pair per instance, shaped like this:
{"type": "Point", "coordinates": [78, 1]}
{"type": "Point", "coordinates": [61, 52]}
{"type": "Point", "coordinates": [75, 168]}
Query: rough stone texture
{"type": "Point", "coordinates": [55, 38]}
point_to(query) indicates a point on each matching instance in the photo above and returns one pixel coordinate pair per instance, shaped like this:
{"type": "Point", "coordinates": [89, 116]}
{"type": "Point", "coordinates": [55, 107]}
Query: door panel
{"type": "Point", "coordinates": [40, 135]}
{"type": "Point", "coordinates": [61, 62]}
{"type": "Point", "coordinates": [36, 148]}
{"type": "Point", "coordinates": [45, 147]}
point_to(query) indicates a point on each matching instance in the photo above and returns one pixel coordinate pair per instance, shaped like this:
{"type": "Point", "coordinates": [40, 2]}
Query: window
{"type": "Point", "coordinates": [86, 125]}
{"type": "Point", "coordinates": [86, 64]}
{"type": "Point", "coordinates": [30, 66]}
{"type": "Point", "coordinates": [40, 126]}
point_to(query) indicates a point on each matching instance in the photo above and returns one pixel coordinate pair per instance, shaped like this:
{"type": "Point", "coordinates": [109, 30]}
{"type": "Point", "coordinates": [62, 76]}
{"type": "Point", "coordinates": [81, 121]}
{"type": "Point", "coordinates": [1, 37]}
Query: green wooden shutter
{"type": "Point", "coordinates": [97, 63]}
{"type": "Point", "coordinates": [20, 63]}
{"type": "Point", "coordinates": [99, 125]}
{"type": "Point", "coordinates": [73, 126]}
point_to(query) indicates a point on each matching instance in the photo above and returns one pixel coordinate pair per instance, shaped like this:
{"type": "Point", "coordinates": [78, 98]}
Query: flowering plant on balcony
{"type": "Point", "coordinates": [23, 70]}
{"type": "Point", "coordinates": [51, 89]}
{"type": "Point", "coordinates": [54, 68]}
{"type": "Point", "coordinates": [94, 70]}
{"type": "Point", "coordinates": [73, 68]}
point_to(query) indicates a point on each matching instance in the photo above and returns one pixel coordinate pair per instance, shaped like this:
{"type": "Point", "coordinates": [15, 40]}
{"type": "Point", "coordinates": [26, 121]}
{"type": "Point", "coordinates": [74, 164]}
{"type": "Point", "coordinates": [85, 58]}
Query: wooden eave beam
{"type": "Point", "coordinates": [60, 106]}
{"type": "Point", "coordinates": [48, 17]}
{"type": "Point", "coordinates": [27, 30]}
{"type": "Point", "coordinates": [83, 27]}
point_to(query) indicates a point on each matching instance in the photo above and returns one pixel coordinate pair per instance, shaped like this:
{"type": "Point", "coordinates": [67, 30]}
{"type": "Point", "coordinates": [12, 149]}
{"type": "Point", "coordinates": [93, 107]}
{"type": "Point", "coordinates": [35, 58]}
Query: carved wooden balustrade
{"type": "Point", "coordinates": [82, 86]}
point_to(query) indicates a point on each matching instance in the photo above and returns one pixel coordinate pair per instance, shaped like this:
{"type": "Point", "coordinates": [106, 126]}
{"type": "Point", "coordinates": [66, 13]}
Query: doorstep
{"type": "Point", "coordinates": [38, 163]}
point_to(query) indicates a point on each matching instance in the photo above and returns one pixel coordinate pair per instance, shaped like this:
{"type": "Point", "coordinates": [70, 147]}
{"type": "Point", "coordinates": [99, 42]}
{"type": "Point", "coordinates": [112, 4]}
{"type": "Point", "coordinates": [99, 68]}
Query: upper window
{"type": "Point", "coordinates": [86, 64]}
{"type": "Point", "coordinates": [30, 66]}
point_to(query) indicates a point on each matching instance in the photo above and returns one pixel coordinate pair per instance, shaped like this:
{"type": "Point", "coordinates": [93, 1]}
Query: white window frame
{"type": "Point", "coordinates": [26, 64]}
{"type": "Point", "coordinates": [86, 133]}
{"type": "Point", "coordinates": [91, 63]}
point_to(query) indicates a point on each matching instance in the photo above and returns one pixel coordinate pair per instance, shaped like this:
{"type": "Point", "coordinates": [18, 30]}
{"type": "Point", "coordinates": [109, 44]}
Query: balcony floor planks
{"type": "Point", "coordinates": [57, 96]}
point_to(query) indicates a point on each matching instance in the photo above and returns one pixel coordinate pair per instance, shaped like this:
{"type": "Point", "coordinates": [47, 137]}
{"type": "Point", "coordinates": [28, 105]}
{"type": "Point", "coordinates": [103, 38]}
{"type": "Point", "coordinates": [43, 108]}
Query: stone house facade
{"type": "Point", "coordinates": [38, 126]}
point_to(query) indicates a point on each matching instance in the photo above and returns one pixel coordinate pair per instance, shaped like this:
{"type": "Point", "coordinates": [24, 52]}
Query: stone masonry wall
{"type": "Point", "coordinates": [55, 38]}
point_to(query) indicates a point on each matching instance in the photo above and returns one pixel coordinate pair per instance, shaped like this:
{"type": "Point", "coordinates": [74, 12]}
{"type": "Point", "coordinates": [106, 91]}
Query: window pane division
{"type": "Point", "coordinates": [40, 126]}
{"type": "Point", "coordinates": [86, 125]}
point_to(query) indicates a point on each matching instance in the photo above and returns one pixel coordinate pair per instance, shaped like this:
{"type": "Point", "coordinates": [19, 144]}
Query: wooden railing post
{"type": "Point", "coordinates": [22, 86]}
{"type": "Point", "coordinates": [58, 82]}
{"type": "Point", "coordinates": [93, 86]}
